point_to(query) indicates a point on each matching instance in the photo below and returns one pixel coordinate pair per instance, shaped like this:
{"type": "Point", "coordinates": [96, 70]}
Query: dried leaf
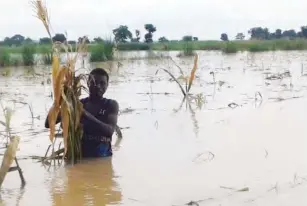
{"type": "Point", "coordinates": [65, 123]}
{"type": "Point", "coordinates": [58, 85]}
{"type": "Point", "coordinates": [192, 76]}
{"type": "Point", "coordinates": [53, 114]}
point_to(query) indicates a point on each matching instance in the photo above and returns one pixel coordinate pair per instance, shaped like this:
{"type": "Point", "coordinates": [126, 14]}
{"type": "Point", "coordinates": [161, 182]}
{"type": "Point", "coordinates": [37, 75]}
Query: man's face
{"type": "Point", "coordinates": [98, 85]}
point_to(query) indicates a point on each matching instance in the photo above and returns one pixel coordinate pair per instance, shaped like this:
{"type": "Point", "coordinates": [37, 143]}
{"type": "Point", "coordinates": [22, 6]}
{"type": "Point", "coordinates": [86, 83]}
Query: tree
{"type": "Point", "coordinates": [98, 40]}
{"type": "Point", "coordinates": [259, 33]}
{"type": "Point", "coordinates": [187, 38]}
{"type": "Point", "coordinates": [195, 38]}
{"type": "Point", "coordinates": [59, 37]}
{"type": "Point", "coordinates": [122, 33]}
{"type": "Point", "coordinates": [240, 36]}
{"type": "Point", "coordinates": [304, 31]}
{"type": "Point", "coordinates": [163, 39]}
{"type": "Point", "coordinates": [72, 42]}
{"type": "Point", "coordinates": [291, 34]}
{"type": "Point", "coordinates": [150, 29]}
{"type": "Point", "coordinates": [278, 34]}
{"type": "Point", "coordinates": [224, 37]}
{"type": "Point", "coordinates": [28, 40]}
{"type": "Point", "coordinates": [45, 40]}
{"type": "Point", "coordinates": [17, 39]}
{"type": "Point", "coordinates": [137, 38]}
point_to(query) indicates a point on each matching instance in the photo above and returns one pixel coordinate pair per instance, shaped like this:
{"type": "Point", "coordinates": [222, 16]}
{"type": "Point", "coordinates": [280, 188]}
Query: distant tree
{"type": "Point", "coordinates": [278, 34]}
{"type": "Point", "coordinates": [7, 41]}
{"type": "Point", "coordinates": [45, 40]}
{"type": "Point", "coordinates": [122, 33]}
{"type": "Point", "coordinates": [150, 29]}
{"type": "Point", "coordinates": [59, 37]}
{"type": "Point", "coordinates": [195, 38]}
{"type": "Point", "coordinates": [72, 42]}
{"type": "Point", "coordinates": [187, 38]}
{"type": "Point", "coordinates": [137, 36]}
{"type": "Point", "coordinates": [299, 35]}
{"type": "Point", "coordinates": [28, 40]}
{"type": "Point", "coordinates": [17, 39]}
{"type": "Point", "coordinates": [291, 34]}
{"type": "Point", "coordinates": [259, 33]}
{"type": "Point", "coordinates": [304, 31]}
{"type": "Point", "coordinates": [163, 39]}
{"type": "Point", "coordinates": [98, 40]}
{"type": "Point", "coordinates": [224, 37]}
{"type": "Point", "coordinates": [240, 36]}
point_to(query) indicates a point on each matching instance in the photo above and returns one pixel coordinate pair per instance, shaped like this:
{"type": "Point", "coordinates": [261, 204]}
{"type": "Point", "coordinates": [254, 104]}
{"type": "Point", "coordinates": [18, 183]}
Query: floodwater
{"type": "Point", "coordinates": [235, 149]}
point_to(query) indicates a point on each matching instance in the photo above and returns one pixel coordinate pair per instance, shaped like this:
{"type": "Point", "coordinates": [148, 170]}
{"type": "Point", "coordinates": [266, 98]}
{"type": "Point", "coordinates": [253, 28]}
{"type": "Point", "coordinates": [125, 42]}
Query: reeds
{"type": "Point", "coordinates": [103, 51]}
{"type": "Point", "coordinates": [5, 58]}
{"type": "Point", "coordinates": [28, 54]}
{"type": "Point", "coordinates": [66, 91]}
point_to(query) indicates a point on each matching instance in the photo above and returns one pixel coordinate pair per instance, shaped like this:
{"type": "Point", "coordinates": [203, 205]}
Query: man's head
{"type": "Point", "coordinates": [98, 82]}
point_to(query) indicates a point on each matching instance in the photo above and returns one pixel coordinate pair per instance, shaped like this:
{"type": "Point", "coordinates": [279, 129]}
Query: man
{"type": "Point", "coordinates": [99, 117]}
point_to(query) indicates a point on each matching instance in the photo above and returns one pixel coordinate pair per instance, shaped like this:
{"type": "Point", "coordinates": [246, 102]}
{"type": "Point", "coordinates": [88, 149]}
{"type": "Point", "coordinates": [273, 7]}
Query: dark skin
{"type": "Point", "coordinates": [98, 85]}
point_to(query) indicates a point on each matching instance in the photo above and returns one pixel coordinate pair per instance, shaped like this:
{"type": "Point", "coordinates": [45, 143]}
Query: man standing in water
{"type": "Point", "coordinates": [99, 117]}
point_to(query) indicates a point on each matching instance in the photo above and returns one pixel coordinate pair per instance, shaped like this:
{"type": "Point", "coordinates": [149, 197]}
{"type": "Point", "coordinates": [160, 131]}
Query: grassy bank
{"type": "Point", "coordinates": [245, 45]}
{"type": "Point", "coordinates": [102, 52]}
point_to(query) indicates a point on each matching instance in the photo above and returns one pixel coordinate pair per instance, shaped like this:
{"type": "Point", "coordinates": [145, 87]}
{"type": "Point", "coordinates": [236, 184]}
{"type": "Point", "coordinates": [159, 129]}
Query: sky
{"type": "Point", "coordinates": [205, 19]}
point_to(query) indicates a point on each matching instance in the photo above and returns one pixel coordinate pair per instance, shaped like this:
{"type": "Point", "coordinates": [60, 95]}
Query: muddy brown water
{"type": "Point", "coordinates": [176, 157]}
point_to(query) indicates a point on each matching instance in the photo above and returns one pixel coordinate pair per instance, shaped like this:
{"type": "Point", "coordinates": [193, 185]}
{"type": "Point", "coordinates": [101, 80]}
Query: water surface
{"type": "Point", "coordinates": [172, 155]}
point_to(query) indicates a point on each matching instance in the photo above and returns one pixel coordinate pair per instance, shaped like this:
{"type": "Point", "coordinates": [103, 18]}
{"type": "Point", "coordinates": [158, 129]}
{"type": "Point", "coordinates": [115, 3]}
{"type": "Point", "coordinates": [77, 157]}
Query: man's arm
{"type": "Point", "coordinates": [107, 128]}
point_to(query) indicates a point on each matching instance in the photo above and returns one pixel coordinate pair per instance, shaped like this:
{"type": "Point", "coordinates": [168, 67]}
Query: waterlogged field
{"type": "Point", "coordinates": [241, 140]}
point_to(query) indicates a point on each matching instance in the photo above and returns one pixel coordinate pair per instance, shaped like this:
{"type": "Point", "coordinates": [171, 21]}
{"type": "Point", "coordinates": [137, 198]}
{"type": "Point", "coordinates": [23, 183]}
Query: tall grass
{"type": "Point", "coordinates": [28, 54]}
{"type": "Point", "coordinates": [46, 55]}
{"type": "Point", "coordinates": [230, 48]}
{"type": "Point", "coordinates": [102, 51]}
{"type": "Point", "coordinates": [97, 53]}
{"type": "Point", "coordinates": [5, 59]}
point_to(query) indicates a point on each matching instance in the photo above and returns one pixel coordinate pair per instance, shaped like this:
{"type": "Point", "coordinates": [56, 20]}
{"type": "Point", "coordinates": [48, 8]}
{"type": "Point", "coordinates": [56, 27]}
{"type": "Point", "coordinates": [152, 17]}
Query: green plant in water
{"type": "Point", "coordinates": [28, 54]}
{"type": "Point", "coordinates": [102, 51]}
{"type": "Point", "coordinates": [47, 55]}
{"type": "Point", "coordinates": [97, 53]}
{"type": "Point", "coordinates": [230, 48]}
{"type": "Point", "coordinates": [5, 58]}
{"type": "Point", "coordinates": [109, 46]}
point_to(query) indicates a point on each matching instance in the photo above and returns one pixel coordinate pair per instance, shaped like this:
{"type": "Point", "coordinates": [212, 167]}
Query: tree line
{"type": "Point", "coordinates": [122, 34]}
{"type": "Point", "coordinates": [260, 33]}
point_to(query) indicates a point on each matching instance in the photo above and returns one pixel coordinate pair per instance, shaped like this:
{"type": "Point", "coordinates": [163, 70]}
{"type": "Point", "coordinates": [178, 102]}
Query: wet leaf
{"type": "Point", "coordinates": [245, 189]}
{"type": "Point", "coordinates": [1, 122]}
{"type": "Point", "coordinates": [58, 86]}
{"type": "Point", "coordinates": [174, 78]}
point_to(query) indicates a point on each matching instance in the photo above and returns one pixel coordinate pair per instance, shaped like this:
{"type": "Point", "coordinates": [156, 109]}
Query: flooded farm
{"type": "Point", "coordinates": [241, 140]}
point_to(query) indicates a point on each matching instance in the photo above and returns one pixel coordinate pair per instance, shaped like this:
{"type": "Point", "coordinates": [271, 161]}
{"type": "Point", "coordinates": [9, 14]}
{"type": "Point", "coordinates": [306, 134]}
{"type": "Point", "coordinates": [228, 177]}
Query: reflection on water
{"type": "Point", "coordinates": [89, 183]}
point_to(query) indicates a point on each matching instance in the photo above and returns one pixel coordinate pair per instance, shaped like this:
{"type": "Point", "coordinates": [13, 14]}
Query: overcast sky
{"type": "Point", "coordinates": [206, 19]}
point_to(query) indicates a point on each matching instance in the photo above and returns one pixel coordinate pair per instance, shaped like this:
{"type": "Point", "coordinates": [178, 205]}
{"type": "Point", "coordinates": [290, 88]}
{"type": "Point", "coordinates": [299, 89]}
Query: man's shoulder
{"type": "Point", "coordinates": [111, 102]}
{"type": "Point", "coordinates": [111, 105]}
